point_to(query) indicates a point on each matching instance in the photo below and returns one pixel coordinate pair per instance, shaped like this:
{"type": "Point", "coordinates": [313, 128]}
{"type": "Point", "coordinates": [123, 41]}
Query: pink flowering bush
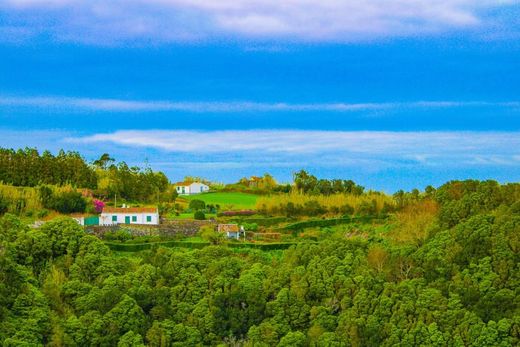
{"type": "Point", "coordinates": [98, 205]}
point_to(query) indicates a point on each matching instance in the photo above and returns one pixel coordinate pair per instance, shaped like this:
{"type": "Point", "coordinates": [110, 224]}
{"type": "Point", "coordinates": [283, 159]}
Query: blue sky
{"type": "Point", "coordinates": [393, 94]}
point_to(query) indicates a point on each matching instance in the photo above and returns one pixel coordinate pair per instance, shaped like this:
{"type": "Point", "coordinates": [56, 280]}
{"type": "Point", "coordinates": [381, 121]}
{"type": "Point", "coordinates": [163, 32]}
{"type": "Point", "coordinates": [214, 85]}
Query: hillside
{"type": "Point", "coordinates": [443, 270]}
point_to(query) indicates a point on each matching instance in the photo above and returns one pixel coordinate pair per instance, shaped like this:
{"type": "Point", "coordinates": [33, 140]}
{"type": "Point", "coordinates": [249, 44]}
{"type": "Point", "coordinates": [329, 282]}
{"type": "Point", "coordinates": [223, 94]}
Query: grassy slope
{"type": "Point", "coordinates": [227, 200]}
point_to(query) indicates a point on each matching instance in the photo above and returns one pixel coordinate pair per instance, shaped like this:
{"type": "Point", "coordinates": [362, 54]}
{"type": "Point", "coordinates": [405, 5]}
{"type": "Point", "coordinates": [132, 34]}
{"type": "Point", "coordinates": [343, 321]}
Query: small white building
{"type": "Point", "coordinates": [233, 231]}
{"type": "Point", "coordinates": [85, 219]}
{"type": "Point", "coordinates": [129, 215]}
{"type": "Point", "coordinates": [188, 188]}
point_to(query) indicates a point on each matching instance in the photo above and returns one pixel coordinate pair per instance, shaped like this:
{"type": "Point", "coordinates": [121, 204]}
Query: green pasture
{"type": "Point", "coordinates": [227, 200]}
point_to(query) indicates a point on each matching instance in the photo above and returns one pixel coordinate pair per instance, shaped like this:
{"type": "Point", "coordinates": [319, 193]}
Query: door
{"type": "Point", "coordinates": [127, 219]}
{"type": "Point", "coordinates": [94, 220]}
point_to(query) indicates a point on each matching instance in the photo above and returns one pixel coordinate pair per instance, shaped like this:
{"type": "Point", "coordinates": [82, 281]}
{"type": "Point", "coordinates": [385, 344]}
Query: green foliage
{"type": "Point", "coordinates": [458, 287]}
{"type": "Point", "coordinates": [26, 167]}
{"type": "Point", "coordinates": [4, 205]}
{"type": "Point", "coordinates": [199, 215]}
{"type": "Point", "coordinates": [20, 200]}
{"type": "Point", "coordinates": [293, 339]}
{"type": "Point", "coordinates": [262, 221]}
{"type": "Point", "coordinates": [309, 184]}
{"type": "Point", "coordinates": [314, 223]}
{"type": "Point", "coordinates": [250, 226]}
{"type": "Point", "coordinates": [131, 339]}
{"type": "Point", "coordinates": [132, 183]}
{"type": "Point", "coordinates": [120, 235]}
{"type": "Point", "coordinates": [69, 202]}
{"type": "Point", "coordinates": [460, 200]}
{"type": "Point", "coordinates": [208, 233]}
{"type": "Point", "coordinates": [197, 204]}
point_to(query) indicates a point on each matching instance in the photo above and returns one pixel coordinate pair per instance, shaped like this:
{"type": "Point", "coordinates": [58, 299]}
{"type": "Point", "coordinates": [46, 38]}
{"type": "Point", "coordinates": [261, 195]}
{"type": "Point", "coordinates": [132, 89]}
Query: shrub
{"type": "Point", "coordinates": [313, 208]}
{"type": "Point", "coordinates": [46, 196]}
{"type": "Point", "coordinates": [69, 202]}
{"type": "Point", "coordinates": [42, 213]}
{"type": "Point", "coordinates": [347, 210]}
{"type": "Point", "coordinates": [209, 234]}
{"type": "Point", "coordinates": [118, 235]}
{"type": "Point", "coordinates": [211, 208]}
{"type": "Point", "coordinates": [197, 204]}
{"type": "Point", "coordinates": [250, 226]}
{"type": "Point", "coordinates": [3, 205]}
{"type": "Point", "coordinates": [199, 215]}
{"type": "Point", "coordinates": [98, 205]}
{"type": "Point", "coordinates": [367, 208]}
{"type": "Point", "coordinates": [515, 208]}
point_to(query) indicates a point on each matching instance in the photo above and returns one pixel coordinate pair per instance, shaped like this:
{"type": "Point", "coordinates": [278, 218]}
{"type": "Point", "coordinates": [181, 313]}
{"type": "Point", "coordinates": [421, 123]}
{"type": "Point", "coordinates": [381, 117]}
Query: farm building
{"type": "Point", "coordinates": [188, 188]}
{"type": "Point", "coordinates": [85, 219]}
{"type": "Point", "coordinates": [233, 231]}
{"type": "Point", "coordinates": [129, 215]}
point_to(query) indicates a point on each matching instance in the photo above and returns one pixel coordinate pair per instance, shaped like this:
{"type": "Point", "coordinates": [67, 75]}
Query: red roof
{"type": "Point", "coordinates": [181, 184]}
{"type": "Point", "coordinates": [130, 210]}
{"type": "Point", "coordinates": [228, 228]}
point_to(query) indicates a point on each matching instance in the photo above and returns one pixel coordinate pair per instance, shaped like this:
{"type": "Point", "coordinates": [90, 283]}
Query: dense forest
{"type": "Point", "coordinates": [107, 178]}
{"type": "Point", "coordinates": [26, 167]}
{"type": "Point", "coordinates": [456, 284]}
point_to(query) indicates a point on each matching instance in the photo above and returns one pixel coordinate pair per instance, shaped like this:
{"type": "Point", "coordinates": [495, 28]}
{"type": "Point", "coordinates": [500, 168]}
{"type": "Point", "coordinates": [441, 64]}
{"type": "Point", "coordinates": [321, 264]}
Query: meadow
{"type": "Point", "coordinates": [226, 200]}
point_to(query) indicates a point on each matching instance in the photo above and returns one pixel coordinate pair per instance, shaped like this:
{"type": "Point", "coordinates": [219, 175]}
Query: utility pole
{"type": "Point", "coordinates": [115, 200]}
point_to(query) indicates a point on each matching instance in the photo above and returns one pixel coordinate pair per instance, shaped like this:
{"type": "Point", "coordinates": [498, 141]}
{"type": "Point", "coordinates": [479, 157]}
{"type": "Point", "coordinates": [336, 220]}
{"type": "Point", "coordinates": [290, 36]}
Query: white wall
{"type": "Point", "coordinates": [186, 189]}
{"type": "Point", "coordinates": [106, 218]}
{"type": "Point", "coordinates": [194, 188]}
{"type": "Point", "coordinates": [80, 220]}
{"type": "Point", "coordinates": [197, 188]}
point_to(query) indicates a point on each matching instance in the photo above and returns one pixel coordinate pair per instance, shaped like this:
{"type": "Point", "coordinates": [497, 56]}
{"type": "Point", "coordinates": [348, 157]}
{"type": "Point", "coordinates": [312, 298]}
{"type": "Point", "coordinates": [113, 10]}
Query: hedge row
{"type": "Point", "coordinates": [263, 221]}
{"type": "Point", "coordinates": [263, 246]}
{"type": "Point", "coordinates": [313, 223]}
{"type": "Point", "coordinates": [236, 213]}
{"type": "Point", "coordinates": [136, 247]}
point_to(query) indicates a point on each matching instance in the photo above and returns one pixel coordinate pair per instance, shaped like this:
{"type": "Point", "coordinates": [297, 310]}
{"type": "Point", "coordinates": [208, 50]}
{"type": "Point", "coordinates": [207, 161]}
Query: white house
{"type": "Point", "coordinates": [233, 231]}
{"type": "Point", "coordinates": [129, 215]}
{"type": "Point", "coordinates": [188, 188]}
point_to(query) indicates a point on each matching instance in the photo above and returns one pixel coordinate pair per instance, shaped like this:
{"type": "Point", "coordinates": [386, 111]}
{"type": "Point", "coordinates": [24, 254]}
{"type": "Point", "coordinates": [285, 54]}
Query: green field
{"type": "Point", "coordinates": [189, 216]}
{"type": "Point", "coordinates": [227, 201]}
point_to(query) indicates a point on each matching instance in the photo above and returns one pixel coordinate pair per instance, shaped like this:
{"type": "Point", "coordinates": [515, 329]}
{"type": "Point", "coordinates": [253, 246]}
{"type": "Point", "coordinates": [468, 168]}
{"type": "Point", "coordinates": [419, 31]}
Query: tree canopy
{"type": "Point", "coordinates": [460, 286]}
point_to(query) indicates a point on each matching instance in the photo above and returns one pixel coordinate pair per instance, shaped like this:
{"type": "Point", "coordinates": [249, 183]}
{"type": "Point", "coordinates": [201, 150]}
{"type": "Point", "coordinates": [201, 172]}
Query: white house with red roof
{"type": "Point", "coordinates": [188, 188]}
{"type": "Point", "coordinates": [129, 215]}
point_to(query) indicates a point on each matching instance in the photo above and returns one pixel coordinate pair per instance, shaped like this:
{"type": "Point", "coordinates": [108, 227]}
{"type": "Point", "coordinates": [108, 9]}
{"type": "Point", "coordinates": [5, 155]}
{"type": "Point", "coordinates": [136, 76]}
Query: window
{"type": "Point", "coordinates": [114, 218]}
{"type": "Point", "coordinates": [149, 219]}
{"type": "Point", "coordinates": [134, 218]}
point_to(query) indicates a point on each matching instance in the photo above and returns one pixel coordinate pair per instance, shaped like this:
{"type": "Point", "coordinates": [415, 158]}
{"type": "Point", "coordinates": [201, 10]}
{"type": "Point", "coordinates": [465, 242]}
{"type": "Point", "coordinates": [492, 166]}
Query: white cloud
{"type": "Point", "coordinates": [98, 21]}
{"type": "Point", "coordinates": [118, 105]}
{"type": "Point", "coordinates": [420, 148]}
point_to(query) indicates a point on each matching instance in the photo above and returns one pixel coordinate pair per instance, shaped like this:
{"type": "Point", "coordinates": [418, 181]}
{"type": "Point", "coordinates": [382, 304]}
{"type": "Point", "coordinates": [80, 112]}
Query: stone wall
{"type": "Point", "coordinates": [166, 228]}
{"type": "Point", "coordinates": [184, 227]}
